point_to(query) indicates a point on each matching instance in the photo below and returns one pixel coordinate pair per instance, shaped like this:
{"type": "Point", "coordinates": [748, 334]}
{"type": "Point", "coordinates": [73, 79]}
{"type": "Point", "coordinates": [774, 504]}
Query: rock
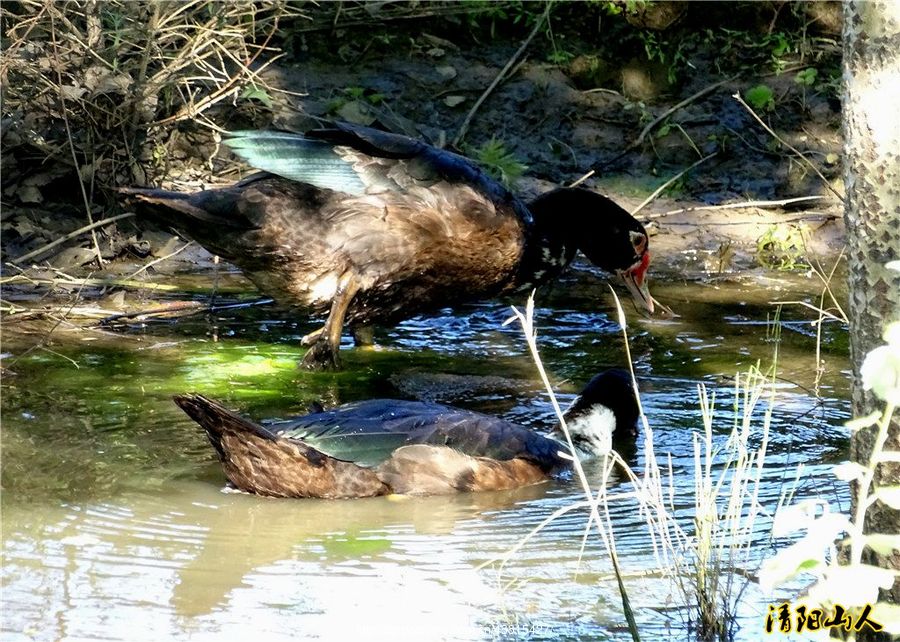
{"type": "Point", "coordinates": [72, 257]}
{"type": "Point", "coordinates": [588, 72]}
{"type": "Point", "coordinates": [356, 112]}
{"type": "Point", "coordinates": [658, 15]}
{"type": "Point", "coordinates": [161, 243]}
{"type": "Point", "coordinates": [645, 80]}
{"type": "Point", "coordinates": [446, 72]}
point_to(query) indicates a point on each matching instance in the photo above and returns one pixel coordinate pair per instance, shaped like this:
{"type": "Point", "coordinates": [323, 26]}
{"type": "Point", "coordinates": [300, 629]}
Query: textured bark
{"type": "Point", "coordinates": [872, 175]}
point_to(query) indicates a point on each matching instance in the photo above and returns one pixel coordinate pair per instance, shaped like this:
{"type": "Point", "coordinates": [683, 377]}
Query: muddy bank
{"type": "Point", "coordinates": [572, 103]}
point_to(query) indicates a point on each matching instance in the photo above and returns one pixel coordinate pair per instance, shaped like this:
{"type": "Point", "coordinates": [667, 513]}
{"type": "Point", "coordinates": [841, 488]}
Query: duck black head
{"type": "Point", "coordinates": [611, 238]}
{"type": "Point", "coordinates": [605, 413]}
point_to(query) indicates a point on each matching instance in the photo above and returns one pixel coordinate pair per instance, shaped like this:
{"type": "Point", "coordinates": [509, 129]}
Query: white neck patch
{"type": "Point", "coordinates": [594, 430]}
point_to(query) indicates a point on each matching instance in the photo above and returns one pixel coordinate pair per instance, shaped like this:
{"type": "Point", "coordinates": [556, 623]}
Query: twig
{"type": "Point", "coordinates": [656, 121]}
{"type": "Point", "coordinates": [43, 340]}
{"type": "Point", "coordinates": [100, 283]}
{"type": "Point", "coordinates": [64, 110]}
{"type": "Point", "coordinates": [793, 219]}
{"type": "Point", "coordinates": [159, 260]}
{"type": "Point", "coordinates": [186, 307]}
{"type": "Point", "coordinates": [821, 311]}
{"type": "Point", "coordinates": [176, 307]}
{"type": "Point", "coordinates": [826, 281]}
{"type": "Point", "coordinates": [58, 354]}
{"type": "Point", "coordinates": [465, 125]}
{"type": "Point", "coordinates": [662, 187]}
{"type": "Point", "coordinates": [464, 8]}
{"type": "Point", "coordinates": [582, 179]}
{"type": "Point", "coordinates": [222, 92]}
{"type": "Point", "coordinates": [736, 206]}
{"type": "Point", "coordinates": [811, 165]}
{"type": "Point", "coordinates": [70, 235]}
{"type": "Point", "coordinates": [602, 90]}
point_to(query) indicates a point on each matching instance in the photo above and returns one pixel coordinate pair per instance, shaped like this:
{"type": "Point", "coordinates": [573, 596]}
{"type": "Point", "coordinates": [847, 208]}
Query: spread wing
{"type": "Point", "coordinates": [368, 432]}
{"type": "Point", "coordinates": [360, 161]}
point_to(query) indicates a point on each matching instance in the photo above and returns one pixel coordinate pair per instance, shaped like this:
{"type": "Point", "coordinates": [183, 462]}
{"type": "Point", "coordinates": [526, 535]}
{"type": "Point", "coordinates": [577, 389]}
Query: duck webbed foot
{"type": "Point", "coordinates": [321, 356]}
{"type": "Point", "coordinates": [325, 343]}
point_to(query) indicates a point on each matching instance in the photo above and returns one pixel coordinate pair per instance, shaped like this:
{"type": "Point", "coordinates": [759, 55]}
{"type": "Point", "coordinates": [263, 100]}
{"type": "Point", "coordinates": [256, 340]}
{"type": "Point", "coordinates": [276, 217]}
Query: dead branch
{"type": "Point", "coordinates": [637, 142]}
{"type": "Point", "coordinates": [796, 151]}
{"type": "Point", "coordinates": [735, 206]}
{"type": "Point", "coordinates": [70, 235]}
{"type": "Point", "coordinates": [464, 128]}
{"type": "Point", "coordinates": [659, 190]}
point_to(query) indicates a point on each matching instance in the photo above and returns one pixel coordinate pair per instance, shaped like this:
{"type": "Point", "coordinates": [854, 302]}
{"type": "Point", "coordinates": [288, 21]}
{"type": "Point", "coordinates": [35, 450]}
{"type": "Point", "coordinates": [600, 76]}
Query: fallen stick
{"type": "Point", "coordinates": [822, 216]}
{"type": "Point", "coordinates": [811, 165]}
{"type": "Point", "coordinates": [159, 260]}
{"type": "Point", "coordinates": [180, 307]}
{"type": "Point", "coordinates": [70, 235]}
{"type": "Point", "coordinates": [662, 187]}
{"type": "Point", "coordinates": [140, 285]}
{"type": "Point", "coordinates": [736, 206]}
{"type": "Point", "coordinates": [671, 110]}
{"type": "Point", "coordinates": [468, 121]}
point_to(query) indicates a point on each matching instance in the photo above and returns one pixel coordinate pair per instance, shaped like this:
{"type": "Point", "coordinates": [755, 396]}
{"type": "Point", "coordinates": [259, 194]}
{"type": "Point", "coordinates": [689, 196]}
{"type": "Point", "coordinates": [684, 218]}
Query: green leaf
{"type": "Point", "coordinates": [761, 97]}
{"type": "Point", "coordinates": [888, 616]}
{"type": "Point", "coordinates": [854, 585]}
{"type": "Point", "coordinates": [807, 77]}
{"type": "Point", "coordinates": [352, 547]}
{"type": "Point", "coordinates": [255, 93]}
{"type": "Point", "coordinates": [880, 373]}
{"type": "Point", "coordinates": [849, 471]}
{"type": "Point", "coordinates": [788, 562]}
{"type": "Point", "coordinates": [500, 162]}
{"type": "Point", "coordinates": [882, 543]}
{"type": "Point", "coordinates": [890, 495]}
{"type": "Point", "coordinates": [356, 93]}
{"type": "Point", "coordinates": [864, 422]}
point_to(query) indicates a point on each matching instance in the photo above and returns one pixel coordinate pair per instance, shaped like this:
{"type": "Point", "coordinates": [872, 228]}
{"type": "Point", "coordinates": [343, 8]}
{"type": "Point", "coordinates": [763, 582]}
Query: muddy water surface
{"type": "Point", "coordinates": [116, 526]}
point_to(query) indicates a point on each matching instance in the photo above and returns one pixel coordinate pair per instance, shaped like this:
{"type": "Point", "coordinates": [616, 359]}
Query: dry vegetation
{"type": "Point", "coordinates": [101, 86]}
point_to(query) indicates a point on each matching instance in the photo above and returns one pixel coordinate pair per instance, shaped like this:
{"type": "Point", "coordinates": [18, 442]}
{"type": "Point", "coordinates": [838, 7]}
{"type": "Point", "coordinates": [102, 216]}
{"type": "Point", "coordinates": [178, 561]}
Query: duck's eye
{"type": "Point", "coordinates": [638, 241]}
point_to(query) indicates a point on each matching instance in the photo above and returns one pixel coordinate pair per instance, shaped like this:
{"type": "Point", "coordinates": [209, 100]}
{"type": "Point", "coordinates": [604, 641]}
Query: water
{"type": "Point", "coordinates": [115, 526]}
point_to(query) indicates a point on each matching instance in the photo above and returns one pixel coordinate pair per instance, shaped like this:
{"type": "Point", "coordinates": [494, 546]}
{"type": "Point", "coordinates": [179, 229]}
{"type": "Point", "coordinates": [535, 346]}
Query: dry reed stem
{"type": "Point", "coordinates": [797, 152]}
{"type": "Point", "coordinates": [123, 68]}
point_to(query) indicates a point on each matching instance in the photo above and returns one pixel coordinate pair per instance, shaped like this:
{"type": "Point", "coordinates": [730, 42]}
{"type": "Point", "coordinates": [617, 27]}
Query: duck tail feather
{"type": "Point", "coordinates": [215, 419]}
{"type": "Point", "coordinates": [297, 158]}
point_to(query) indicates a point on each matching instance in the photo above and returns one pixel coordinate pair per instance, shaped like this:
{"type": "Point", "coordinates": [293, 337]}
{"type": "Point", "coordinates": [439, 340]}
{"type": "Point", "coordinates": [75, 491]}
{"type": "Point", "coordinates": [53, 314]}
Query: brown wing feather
{"type": "Point", "coordinates": [410, 251]}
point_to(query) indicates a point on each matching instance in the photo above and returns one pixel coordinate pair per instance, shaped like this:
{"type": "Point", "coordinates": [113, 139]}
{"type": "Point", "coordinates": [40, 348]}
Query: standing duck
{"type": "Point", "coordinates": [374, 228]}
{"type": "Point", "coordinates": [388, 446]}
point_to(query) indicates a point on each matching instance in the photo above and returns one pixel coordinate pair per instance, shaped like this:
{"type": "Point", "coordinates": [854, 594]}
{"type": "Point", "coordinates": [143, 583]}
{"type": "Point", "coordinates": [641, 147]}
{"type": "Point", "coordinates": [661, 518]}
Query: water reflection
{"type": "Point", "coordinates": [115, 526]}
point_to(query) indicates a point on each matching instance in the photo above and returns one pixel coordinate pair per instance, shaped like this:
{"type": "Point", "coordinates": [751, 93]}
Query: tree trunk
{"type": "Point", "coordinates": [872, 177]}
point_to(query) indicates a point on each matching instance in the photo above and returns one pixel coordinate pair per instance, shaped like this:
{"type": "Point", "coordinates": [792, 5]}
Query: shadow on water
{"type": "Point", "coordinates": [115, 527]}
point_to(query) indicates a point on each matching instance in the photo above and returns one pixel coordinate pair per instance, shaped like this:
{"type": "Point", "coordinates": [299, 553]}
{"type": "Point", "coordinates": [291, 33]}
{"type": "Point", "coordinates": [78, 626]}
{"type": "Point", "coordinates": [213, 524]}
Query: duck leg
{"type": "Point", "coordinates": [363, 335]}
{"type": "Point", "coordinates": [325, 343]}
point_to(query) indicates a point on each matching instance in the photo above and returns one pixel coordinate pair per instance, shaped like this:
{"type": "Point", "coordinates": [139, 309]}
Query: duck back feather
{"type": "Point", "coordinates": [367, 432]}
{"type": "Point", "coordinates": [258, 461]}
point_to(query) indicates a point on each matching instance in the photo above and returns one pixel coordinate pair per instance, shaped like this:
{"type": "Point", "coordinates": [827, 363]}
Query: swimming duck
{"type": "Point", "coordinates": [386, 446]}
{"type": "Point", "coordinates": [374, 228]}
